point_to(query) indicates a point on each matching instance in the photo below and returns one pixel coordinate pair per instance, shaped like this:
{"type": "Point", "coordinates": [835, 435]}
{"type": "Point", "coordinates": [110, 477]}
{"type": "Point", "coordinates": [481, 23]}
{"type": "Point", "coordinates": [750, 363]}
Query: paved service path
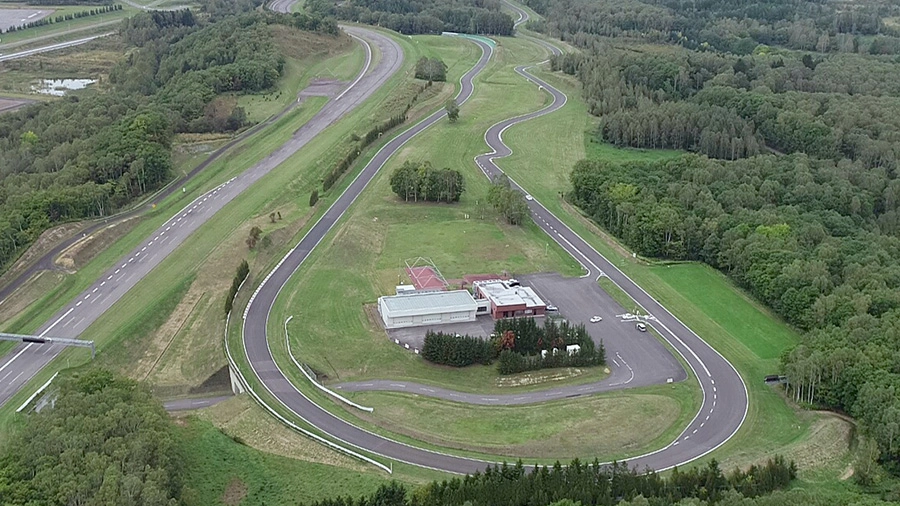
{"type": "Point", "coordinates": [720, 416]}
{"type": "Point", "coordinates": [25, 360]}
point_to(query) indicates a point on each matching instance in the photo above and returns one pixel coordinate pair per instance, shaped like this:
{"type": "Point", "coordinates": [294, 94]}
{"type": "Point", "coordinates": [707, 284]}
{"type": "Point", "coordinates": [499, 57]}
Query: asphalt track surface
{"type": "Point", "coordinates": [724, 404]}
{"type": "Point", "coordinates": [52, 47]}
{"type": "Point", "coordinates": [25, 360]}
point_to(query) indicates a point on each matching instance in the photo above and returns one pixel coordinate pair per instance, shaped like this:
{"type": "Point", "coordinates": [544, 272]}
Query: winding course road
{"type": "Point", "coordinates": [724, 403]}
{"type": "Point", "coordinates": [26, 360]}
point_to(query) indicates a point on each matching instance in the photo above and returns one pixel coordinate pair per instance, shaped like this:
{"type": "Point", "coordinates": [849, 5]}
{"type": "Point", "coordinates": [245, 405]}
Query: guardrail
{"type": "Point", "coordinates": [233, 364]}
{"type": "Point", "coordinates": [318, 385]}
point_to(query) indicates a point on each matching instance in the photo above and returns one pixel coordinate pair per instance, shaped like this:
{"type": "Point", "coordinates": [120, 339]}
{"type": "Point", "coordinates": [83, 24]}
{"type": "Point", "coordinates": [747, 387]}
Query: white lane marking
{"type": "Point", "coordinates": [95, 290]}
{"type": "Point", "coordinates": [144, 248]}
{"type": "Point", "coordinates": [109, 277]}
{"type": "Point", "coordinates": [124, 265]}
{"type": "Point", "coordinates": [117, 271]}
{"type": "Point", "coordinates": [103, 282]}
{"type": "Point", "coordinates": [4, 366]}
{"type": "Point", "coordinates": [78, 303]}
{"type": "Point", "coordinates": [86, 297]}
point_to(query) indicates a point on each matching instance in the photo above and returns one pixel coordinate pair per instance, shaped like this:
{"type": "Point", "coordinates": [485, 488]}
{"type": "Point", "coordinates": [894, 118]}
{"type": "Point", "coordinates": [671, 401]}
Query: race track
{"type": "Point", "coordinates": [724, 403]}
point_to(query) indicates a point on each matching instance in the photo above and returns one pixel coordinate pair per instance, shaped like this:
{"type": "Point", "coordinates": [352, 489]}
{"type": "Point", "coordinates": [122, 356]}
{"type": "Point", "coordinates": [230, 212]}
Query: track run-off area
{"type": "Point", "coordinates": [725, 399]}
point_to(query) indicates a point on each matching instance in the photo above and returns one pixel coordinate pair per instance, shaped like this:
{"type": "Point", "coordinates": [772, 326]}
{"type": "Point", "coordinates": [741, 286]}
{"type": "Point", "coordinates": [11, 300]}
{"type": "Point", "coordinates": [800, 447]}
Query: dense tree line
{"type": "Point", "coordinates": [412, 181]}
{"type": "Point", "coordinates": [816, 240]}
{"type": "Point", "coordinates": [586, 484]}
{"type": "Point", "coordinates": [63, 18]}
{"type": "Point", "coordinates": [371, 136]}
{"type": "Point", "coordinates": [104, 440]}
{"type": "Point", "coordinates": [518, 345]}
{"type": "Point", "coordinates": [431, 69]}
{"type": "Point", "coordinates": [456, 350]}
{"type": "Point", "coordinates": [730, 107]}
{"type": "Point", "coordinates": [735, 26]}
{"type": "Point", "coordinates": [89, 156]}
{"type": "Point", "coordinates": [422, 16]}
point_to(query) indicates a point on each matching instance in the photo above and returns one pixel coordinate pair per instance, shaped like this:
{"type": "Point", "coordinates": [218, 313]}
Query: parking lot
{"type": "Point", "coordinates": [635, 358]}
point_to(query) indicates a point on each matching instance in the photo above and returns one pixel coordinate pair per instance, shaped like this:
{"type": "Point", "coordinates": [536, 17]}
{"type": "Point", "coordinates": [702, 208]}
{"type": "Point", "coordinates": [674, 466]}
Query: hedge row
{"type": "Point", "coordinates": [242, 272]}
{"type": "Point", "coordinates": [370, 137]}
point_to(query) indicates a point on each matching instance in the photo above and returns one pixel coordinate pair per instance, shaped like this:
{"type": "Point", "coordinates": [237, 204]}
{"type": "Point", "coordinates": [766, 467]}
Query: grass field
{"type": "Point", "coordinates": [608, 427]}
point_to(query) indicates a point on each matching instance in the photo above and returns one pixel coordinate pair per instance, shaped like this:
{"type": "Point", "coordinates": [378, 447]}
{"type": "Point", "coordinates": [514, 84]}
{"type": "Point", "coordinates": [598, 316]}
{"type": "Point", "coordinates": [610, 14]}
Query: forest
{"type": "Point", "coordinates": [91, 155]}
{"type": "Point", "coordinates": [793, 111]}
{"type": "Point", "coordinates": [412, 17]}
{"type": "Point", "coordinates": [105, 441]}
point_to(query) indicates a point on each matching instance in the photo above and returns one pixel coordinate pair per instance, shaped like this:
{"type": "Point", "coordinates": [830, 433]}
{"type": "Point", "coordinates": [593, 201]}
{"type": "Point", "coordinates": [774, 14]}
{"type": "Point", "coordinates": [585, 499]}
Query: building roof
{"type": "Point", "coordinates": [429, 303]}
{"type": "Point", "coordinates": [501, 294]}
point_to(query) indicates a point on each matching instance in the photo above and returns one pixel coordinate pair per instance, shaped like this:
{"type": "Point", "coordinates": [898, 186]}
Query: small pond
{"type": "Point", "coordinates": [59, 87]}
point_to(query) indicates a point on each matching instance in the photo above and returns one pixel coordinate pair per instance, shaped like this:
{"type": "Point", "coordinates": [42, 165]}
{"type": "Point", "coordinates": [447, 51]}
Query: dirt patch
{"type": "Point", "coordinates": [39, 248]}
{"type": "Point", "coordinates": [79, 254]}
{"type": "Point", "coordinates": [10, 104]}
{"type": "Point", "coordinates": [235, 492]}
{"type": "Point", "coordinates": [536, 378]}
{"type": "Point", "coordinates": [847, 474]}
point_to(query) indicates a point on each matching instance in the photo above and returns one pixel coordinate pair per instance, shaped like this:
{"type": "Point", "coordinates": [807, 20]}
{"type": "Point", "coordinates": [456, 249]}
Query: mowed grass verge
{"type": "Point", "coordinates": [607, 427]}
{"type": "Point", "coordinates": [750, 337]}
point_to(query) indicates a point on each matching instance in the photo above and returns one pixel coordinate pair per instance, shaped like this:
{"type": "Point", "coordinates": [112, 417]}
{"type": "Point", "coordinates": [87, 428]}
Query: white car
{"type": "Point", "coordinates": [528, 197]}
{"type": "Point", "coordinates": [595, 319]}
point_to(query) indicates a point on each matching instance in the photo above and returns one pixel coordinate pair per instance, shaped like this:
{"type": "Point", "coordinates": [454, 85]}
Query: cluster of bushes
{"type": "Point", "coordinates": [242, 272]}
{"type": "Point", "coordinates": [66, 17]}
{"type": "Point", "coordinates": [588, 484]}
{"type": "Point", "coordinates": [424, 182]}
{"type": "Point", "coordinates": [455, 350]}
{"type": "Point", "coordinates": [518, 345]}
{"type": "Point", "coordinates": [431, 69]}
{"type": "Point", "coordinates": [507, 201]}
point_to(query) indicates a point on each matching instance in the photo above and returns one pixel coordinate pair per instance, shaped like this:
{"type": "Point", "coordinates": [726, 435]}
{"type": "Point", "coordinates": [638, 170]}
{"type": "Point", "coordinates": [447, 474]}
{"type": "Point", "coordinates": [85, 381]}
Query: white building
{"type": "Point", "coordinates": [509, 299]}
{"type": "Point", "coordinates": [430, 308]}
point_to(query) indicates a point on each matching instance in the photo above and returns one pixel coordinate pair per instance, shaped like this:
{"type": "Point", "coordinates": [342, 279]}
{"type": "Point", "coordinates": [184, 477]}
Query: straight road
{"type": "Point", "coordinates": [52, 47]}
{"type": "Point", "coordinates": [24, 361]}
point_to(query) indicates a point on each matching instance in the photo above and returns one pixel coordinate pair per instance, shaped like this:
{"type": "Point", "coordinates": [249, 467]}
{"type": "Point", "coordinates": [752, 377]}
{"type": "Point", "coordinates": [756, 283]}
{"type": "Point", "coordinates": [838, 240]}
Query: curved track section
{"type": "Point", "coordinates": [256, 316]}
{"type": "Point", "coordinates": [26, 360]}
{"type": "Point", "coordinates": [724, 393]}
{"type": "Point", "coordinates": [725, 398]}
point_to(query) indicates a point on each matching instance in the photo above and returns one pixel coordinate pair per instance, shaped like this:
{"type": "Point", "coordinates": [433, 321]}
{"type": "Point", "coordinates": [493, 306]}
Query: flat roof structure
{"type": "Point", "coordinates": [432, 302]}
{"type": "Point", "coordinates": [503, 295]}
